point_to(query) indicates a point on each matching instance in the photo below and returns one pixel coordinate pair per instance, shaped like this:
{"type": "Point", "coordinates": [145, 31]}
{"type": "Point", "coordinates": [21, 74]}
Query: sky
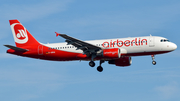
{"type": "Point", "coordinates": [27, 79]}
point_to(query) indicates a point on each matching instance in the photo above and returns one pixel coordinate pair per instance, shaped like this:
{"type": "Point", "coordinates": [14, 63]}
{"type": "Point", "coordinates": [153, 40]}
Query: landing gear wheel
{"type": "Point", "coordinates": [154, 62]}
{"type": "Point", "coordinates": [99, 68]}
{"type": "Point", "coordinates": [91, 63]}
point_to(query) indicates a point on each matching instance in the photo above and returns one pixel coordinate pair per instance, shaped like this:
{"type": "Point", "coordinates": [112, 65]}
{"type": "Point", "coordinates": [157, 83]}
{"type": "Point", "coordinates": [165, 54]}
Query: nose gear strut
{"type": "Point", "coordinates": [153, 62]}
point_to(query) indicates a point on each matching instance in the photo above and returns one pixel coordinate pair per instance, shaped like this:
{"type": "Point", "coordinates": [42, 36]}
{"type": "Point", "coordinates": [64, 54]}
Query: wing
{"type": "Point", "coordinates": [87, 48]}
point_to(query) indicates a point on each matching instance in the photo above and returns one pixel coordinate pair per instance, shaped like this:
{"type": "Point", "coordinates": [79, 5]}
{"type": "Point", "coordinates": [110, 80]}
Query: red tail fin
{"type": "Point", "coordinates": [22, 37]}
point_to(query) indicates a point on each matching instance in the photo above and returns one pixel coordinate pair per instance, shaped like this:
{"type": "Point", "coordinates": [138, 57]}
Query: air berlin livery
{"type": "Point", "coordinates": [116, 51]}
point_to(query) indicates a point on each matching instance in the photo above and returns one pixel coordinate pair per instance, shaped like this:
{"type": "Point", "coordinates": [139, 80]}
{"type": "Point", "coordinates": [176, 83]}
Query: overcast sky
{"type": "Point", "coordinates": [26, 79]}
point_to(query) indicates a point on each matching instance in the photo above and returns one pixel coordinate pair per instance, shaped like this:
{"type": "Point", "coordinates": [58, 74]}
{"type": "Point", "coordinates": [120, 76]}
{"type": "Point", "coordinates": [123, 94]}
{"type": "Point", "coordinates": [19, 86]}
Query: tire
{"type": "Point", "coordinates": [91, 63]}
{"type": "Point", "coordinates": [154, 62]}
{"type": "Point", "coordinates": [99, 68]}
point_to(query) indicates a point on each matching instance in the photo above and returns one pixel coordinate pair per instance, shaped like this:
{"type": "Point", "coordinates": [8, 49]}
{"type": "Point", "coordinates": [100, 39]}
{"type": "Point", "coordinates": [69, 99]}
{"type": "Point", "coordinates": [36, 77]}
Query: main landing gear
{"type": "Point", "coordinates": [99, 68]}
{"type": "Point", "coordinates": [153, 62]}
{"type": "Point", "coordinates": [92, 64]}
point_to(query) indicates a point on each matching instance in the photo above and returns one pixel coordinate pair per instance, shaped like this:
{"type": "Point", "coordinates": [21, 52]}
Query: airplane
{"type": "Point", "coordinates": [116, 51]}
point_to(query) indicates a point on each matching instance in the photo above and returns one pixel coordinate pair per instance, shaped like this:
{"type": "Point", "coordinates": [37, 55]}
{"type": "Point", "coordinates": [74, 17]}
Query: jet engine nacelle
{"type": "Point", "coordinates": [123, 61]}
{"type": "Point", "coordinates": [111, 53]}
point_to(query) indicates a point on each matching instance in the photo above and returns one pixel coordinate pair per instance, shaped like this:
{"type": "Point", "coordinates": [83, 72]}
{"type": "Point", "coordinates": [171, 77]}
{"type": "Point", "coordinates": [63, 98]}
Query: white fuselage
{"type": "Point", "coordinates": [131, 45]}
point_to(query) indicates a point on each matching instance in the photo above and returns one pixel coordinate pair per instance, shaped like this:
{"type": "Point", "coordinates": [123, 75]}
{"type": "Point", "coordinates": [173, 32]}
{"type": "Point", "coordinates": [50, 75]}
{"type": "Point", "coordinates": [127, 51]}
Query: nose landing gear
{"type": "Point", "coordinates": [153, 62]}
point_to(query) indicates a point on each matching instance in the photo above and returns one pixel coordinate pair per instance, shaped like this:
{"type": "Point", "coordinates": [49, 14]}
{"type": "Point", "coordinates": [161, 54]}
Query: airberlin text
{"type": "Point", "coordinates": [127, 43]}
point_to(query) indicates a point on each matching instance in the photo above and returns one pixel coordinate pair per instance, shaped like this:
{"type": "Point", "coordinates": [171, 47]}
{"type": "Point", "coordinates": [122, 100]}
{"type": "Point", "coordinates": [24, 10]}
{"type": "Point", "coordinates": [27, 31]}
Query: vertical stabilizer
{"type": "Point", "coordinates": [21, 35]}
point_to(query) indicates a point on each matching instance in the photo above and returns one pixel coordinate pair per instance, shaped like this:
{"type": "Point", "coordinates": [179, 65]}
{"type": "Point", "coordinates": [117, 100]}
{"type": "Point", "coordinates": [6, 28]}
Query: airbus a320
{"type": "Point", "coordinates": [116, 51]}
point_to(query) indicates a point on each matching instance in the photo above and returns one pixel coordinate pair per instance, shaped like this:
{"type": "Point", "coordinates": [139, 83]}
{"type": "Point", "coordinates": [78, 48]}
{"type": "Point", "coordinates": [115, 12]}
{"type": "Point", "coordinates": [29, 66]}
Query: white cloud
{"type": "Point", "coordinates": [6, 55]}
{"type": "Point", "coordinates": [150, 20]}
{"type": "Point", "coordinates": [173, 54]}
{"type": "Point", "coordinates": [39, 83]}
{"type": "Point", "coordinates": [27, 12]}
{"type": "Point", "coordinates": [168, 91]}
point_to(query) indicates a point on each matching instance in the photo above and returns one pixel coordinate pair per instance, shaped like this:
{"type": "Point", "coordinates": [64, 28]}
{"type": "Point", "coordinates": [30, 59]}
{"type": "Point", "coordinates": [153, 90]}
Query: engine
{"type": "Point", "coordinates": [123, 61]}
{"type": "Point", "coordinates": [111, 53]}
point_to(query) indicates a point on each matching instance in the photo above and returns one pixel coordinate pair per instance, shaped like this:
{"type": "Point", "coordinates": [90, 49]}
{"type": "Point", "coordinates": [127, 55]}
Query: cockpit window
{"type": "Point", "coordinates": [165, 40]}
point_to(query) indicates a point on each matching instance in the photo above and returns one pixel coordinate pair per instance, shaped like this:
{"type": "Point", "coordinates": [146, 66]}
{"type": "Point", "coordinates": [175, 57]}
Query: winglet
{"type": "Point", "coordinates": [57, 34]}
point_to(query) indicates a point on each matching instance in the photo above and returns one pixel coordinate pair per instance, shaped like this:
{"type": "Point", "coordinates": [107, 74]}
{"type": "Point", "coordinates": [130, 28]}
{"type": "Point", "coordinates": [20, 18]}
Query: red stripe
{"type": "Point", "coordinates": [59, 55]}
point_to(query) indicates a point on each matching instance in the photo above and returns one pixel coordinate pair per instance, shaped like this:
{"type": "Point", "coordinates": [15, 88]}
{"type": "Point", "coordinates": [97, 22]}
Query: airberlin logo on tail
{"type": "Point", "coordinates": [19, 33]}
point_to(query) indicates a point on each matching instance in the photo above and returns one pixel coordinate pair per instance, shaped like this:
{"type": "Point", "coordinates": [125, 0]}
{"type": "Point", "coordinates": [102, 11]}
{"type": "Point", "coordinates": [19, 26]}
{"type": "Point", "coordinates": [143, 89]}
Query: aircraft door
{"type": "Point", "coordinates": [151, 42]}
{"type": "Point", "coordinates": [40, 49]}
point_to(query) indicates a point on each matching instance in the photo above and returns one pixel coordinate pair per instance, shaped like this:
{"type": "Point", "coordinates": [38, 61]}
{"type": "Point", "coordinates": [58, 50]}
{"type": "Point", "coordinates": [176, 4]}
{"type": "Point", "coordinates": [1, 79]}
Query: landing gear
{"type": "Point", "coordinates": [91, 63]}
{"type": "Point", "coordinates": [153, 62]}
{"type": "Point", "coordinates": [99, 68]}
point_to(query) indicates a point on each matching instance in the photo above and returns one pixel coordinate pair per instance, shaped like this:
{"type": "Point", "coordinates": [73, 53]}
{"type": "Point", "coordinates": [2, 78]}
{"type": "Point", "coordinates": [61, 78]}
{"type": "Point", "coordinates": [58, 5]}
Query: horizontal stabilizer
{"type": "Point", "coordinates": [16, 48]}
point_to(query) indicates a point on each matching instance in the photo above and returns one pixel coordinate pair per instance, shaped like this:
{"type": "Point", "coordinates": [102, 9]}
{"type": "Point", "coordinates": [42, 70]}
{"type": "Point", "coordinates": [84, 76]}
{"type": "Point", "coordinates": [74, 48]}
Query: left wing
{"type": "Point", "coordinates": [87, 48]}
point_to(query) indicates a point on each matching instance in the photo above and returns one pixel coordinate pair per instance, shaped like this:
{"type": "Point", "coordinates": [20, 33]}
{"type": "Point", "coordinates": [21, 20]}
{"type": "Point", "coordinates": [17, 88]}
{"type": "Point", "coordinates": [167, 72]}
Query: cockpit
{"type": "Point", "coordinates": [164, 40]}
